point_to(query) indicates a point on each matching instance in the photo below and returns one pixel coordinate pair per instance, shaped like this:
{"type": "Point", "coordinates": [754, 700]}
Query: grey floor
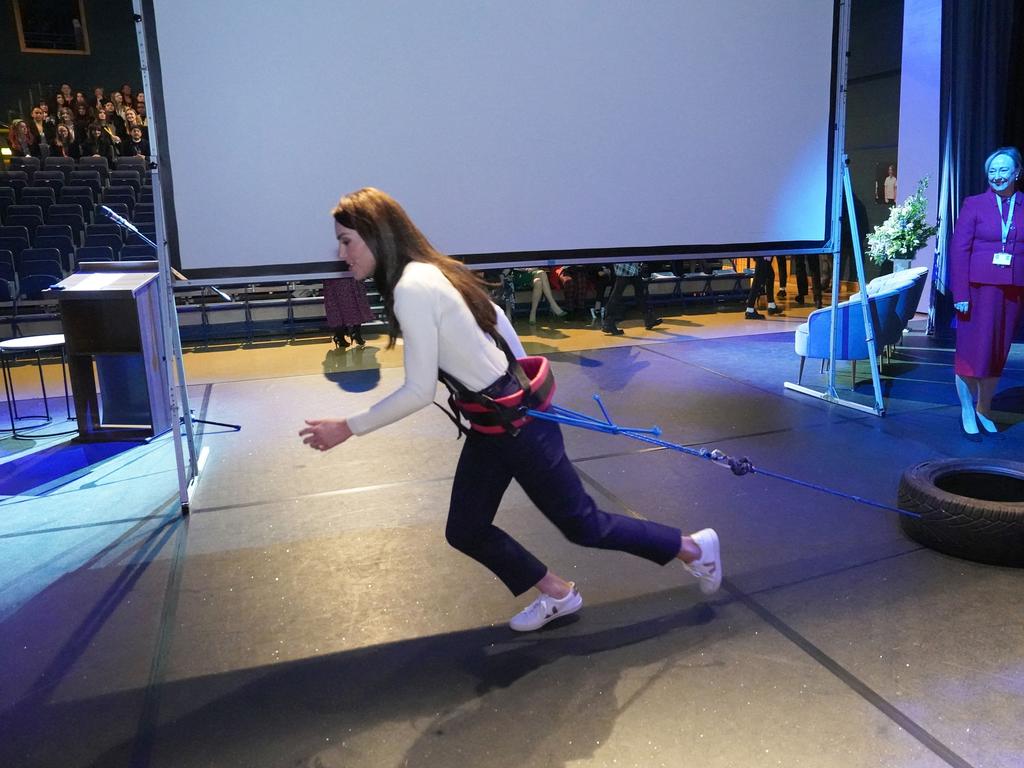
{"type": "Point", "coordinates": [309, 612]}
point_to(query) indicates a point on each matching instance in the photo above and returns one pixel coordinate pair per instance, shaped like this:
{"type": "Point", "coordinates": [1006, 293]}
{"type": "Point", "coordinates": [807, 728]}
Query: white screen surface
{"type": "Point", "coordinates": [501, 127]}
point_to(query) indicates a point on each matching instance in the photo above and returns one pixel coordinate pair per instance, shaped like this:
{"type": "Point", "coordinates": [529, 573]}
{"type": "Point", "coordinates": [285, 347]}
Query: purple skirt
{"type": "Point", "coordinates": [345, 302]}
{"type": "Point", "coordinates": [985, 333]}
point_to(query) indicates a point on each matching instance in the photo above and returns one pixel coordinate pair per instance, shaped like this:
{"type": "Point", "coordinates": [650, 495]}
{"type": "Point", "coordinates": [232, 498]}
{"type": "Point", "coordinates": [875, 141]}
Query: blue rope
{"type": "Point", "coordinates": [739, 466]}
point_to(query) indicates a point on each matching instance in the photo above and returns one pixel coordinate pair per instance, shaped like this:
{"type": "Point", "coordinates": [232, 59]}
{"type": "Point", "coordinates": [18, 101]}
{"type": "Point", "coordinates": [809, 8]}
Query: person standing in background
{"type": "Point", "coordinates": [803, 265]}
{"type": "Point", "coordinates": [627, 273]}
{"type": "Point", "coordinates": [347, 308]}
{"type": "Point", "coordinates": [783, 275]}
{"type": "Point", "coordinates": [885, 190]}
{"type": "Point", "coordinates": [986, 265]}
{"type": "Point", "coordinates": [763, 282]}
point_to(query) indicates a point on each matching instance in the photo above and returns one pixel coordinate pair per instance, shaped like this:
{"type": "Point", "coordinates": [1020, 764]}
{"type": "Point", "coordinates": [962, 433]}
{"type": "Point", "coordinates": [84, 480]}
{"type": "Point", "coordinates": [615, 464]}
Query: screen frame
{"type": "Point", "coordinates": [497, 260]}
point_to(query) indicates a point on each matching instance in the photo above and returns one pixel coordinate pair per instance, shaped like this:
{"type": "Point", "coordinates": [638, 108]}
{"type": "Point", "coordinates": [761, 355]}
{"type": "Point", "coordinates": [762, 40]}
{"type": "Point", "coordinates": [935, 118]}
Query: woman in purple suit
{"type": "Point", "coordinates": [986, 258]}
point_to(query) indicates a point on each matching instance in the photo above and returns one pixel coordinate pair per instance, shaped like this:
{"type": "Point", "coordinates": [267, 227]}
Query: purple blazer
{"type": "Point", "coordinates": [977, 238]}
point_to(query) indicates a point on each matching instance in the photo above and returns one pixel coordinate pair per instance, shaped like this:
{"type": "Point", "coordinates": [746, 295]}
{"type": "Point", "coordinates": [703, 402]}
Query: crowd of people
{"type": "Point", "coordinates": [75, 124]}
{"type": "Point", "coordinates": [576, 282]}
{"type": "Point", "coordinates": [606, 283]}
{"type": "Point", "coordinates": [593, 292]}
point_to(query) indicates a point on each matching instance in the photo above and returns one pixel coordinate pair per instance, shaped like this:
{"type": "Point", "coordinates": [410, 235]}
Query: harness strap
{"type": "Point", "coordinates": [495, 414]}
{"type": "Point", "coordinates": [450, 412]}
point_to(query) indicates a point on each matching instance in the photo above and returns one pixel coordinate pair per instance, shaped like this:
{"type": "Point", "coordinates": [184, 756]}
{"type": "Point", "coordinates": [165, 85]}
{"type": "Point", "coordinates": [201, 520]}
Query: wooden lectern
{"type": "Point", "coordinates": [114, 340]}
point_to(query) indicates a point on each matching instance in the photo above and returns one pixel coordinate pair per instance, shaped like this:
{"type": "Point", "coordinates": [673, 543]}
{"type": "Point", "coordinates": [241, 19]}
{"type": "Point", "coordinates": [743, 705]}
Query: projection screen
{"type": "Point", "coordinates": [511, 132]}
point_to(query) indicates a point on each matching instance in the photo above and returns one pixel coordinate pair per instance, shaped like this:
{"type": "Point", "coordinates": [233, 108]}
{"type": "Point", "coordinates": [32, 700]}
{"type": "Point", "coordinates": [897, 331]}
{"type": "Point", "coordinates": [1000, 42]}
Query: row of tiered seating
{"type": "Point", "coordinates": [76, 210]}
{"type": "Point", "coordinates": [49, 219]}
{"type": "Point", "coordinates": [124, 188]}
{"type": "Point", "coordinates": [31, 165]}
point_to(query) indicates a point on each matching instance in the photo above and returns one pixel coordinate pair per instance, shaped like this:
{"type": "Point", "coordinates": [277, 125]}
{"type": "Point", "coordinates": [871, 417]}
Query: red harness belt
{"type": "Point", "coordinates": [506, 414]}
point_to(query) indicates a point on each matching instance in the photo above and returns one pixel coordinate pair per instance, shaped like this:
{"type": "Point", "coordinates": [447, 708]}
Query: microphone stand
{"type": "Point", "coordinates": [126, 225]}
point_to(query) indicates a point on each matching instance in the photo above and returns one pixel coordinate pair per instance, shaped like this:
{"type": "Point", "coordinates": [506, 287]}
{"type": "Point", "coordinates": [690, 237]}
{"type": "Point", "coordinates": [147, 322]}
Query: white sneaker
{"type": "Point", "coordinates": [708, 567]}
{"type": "Point", "coordinates": [546, 608]}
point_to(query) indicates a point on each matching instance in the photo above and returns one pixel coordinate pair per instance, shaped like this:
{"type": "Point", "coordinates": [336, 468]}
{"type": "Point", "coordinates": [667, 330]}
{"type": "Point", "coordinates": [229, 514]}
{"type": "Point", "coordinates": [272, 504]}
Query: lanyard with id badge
{"type": "Point", "coordinates": [1004, 259]}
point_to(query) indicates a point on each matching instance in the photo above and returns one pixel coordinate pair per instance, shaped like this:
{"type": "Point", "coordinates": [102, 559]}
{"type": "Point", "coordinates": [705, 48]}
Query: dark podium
{"type": "Point", "coordinates": [114, 340]}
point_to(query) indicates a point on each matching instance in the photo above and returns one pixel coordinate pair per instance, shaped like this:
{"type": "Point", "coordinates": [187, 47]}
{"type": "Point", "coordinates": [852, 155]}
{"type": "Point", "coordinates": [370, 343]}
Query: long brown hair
{"type": "Point", "coordinates": [394, 241]}
{"type": "Point", "coordinates": [14, 140]}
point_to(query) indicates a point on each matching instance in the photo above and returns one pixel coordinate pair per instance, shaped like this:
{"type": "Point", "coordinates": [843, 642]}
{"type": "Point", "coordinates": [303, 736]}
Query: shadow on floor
{"type": "Point", "coordinates": [447, 687]}
{"type": "Point", "coordinates": [42, 471]}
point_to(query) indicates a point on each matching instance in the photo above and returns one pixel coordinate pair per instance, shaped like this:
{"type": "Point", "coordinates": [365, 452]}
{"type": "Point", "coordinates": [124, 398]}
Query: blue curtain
{"type": "Point", "coordinates": [980, 94]}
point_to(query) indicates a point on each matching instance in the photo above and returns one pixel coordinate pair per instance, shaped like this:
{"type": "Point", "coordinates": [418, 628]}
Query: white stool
{"type": "Point", "coordinates": [9, 350]}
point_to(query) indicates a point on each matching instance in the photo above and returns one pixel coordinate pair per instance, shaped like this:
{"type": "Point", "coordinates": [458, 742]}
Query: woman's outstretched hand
{"type": "Point", "coordinates": [962, 307]}
{"type": "Point", "coordinates": [324, 434]}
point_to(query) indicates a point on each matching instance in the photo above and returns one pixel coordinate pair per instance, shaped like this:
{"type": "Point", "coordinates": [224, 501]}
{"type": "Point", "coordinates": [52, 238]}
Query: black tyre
{"type": "Point", "coordinates": [969, 508]}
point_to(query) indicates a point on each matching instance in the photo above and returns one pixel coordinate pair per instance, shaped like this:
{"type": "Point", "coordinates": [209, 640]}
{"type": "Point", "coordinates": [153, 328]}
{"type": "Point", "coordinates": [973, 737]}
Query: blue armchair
{"type": "Point", "coordinates": [891, 304]}
{"type": "Point", "coordinates": [909, 300]}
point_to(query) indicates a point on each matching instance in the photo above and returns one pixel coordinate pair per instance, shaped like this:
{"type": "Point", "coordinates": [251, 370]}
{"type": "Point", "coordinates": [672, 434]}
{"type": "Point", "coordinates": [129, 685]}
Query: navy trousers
{"type": "Point", "coordinates": [613, 310]}
{"type": "Point", "coordinates": [764, 280]}
{"type": "Point", "coordinates": [536, 459]}
{"type": "Point", "coordinates": [805, 264]}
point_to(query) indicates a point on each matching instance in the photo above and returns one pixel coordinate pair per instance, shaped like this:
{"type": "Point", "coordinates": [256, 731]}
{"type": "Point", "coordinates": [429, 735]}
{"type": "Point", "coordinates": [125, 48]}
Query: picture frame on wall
{"type": "Point", "coordinates": [51, 26]}
{"type": "Point", "coordinates": [886, 186]}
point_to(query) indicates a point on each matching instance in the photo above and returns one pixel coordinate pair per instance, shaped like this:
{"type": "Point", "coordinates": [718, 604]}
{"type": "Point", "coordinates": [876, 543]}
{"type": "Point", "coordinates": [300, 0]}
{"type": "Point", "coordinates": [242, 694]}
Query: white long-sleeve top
{"type": "Point", "coordinates": [438, 331]}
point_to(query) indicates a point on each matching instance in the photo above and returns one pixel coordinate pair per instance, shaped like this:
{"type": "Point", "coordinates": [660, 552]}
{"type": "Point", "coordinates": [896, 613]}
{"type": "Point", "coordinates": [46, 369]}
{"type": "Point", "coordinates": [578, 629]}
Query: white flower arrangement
{"type": "Point", "coordinates": [905, 232]}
